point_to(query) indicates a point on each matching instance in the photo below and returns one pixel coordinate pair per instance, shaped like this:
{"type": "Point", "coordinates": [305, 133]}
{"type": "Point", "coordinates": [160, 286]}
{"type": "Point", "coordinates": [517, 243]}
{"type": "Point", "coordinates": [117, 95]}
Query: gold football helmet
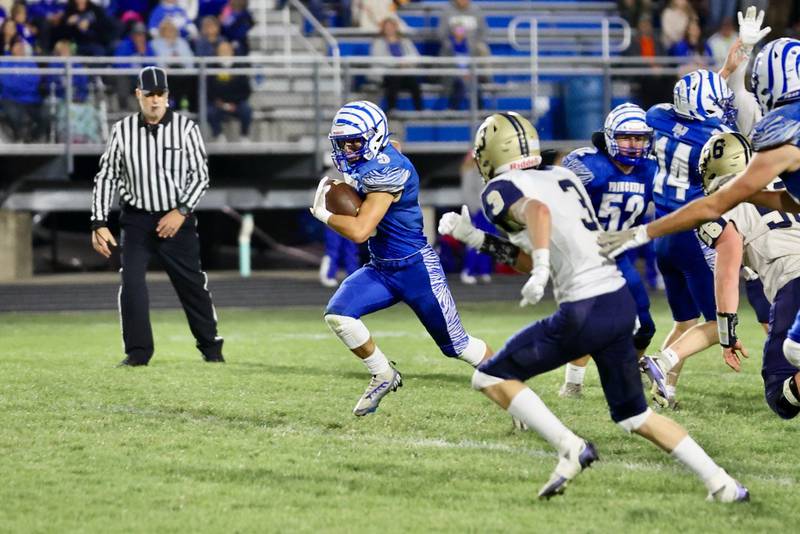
{"type": "Point", "coordinates": [723, 158]}
{"type": "Point", "coordinates": [505, 141]}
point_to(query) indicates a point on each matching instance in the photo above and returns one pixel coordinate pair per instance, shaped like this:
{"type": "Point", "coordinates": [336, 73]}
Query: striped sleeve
{"type": "Point", "coordinates": [197, 180]}
{"type": "Point", "coordinates": [385, 179]}
{"type": "Point", "coordinates": [573, 162]}
{"type": "Point", "coordinates": [775, 130]}
{"type": "Point", "coordinates": [107, 178]}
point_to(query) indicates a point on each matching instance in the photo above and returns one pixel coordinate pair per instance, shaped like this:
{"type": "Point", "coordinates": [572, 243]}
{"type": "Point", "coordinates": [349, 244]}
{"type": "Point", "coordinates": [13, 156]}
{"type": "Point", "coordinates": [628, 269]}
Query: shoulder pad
{"type": "Point", "coordinates": [497, 197]}
{"type": "Point", "coordinates": [710, 232]}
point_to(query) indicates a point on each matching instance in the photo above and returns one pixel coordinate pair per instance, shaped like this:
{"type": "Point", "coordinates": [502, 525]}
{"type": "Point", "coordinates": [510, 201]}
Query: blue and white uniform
{"type": "Point", "coordinates": [596, 313]}
{"type": "Point", "coordinates": [779, 127]}
{"type": "Point", "coordinates": [620, 201]}
{"type": "Point", "coordinates": [685, 264]}
{"type": "Point", "coordinates": [771, 242]}
{"type": "Point", "coordinates": [403, 267]}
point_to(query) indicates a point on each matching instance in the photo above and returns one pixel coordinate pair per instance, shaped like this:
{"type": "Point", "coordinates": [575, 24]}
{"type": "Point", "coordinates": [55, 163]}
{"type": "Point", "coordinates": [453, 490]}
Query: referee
{"type": "Point", "coordinates": [157, 160]}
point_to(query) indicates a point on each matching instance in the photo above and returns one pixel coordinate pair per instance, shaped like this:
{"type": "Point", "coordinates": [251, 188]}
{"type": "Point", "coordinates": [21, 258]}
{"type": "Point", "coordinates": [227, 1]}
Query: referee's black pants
{"type": "Point", "coordinates": [180, 256]}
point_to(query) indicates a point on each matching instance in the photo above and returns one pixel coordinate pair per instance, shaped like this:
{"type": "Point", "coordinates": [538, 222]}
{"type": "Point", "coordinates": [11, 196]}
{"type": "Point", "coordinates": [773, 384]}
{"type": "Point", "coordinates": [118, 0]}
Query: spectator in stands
{"type": "Point", "coordinates": [634, 10]}
{"type": "Point", "coordinates": [391, 44]}
{"type": "Point", "coordinates": [228, 96]}
{"type": "Point", "coordinates": [173, 51]}
{"type": "Point", "coordinates": [55, 83]}
{"type": "Point", "coordinates": [8, 35]}
{"type": "Point", "coordinates": [692, 47]}
{"type": "Point", "coordinates": [721, 41]}
{"type": "Point", "coordinates": [172, 11]}
{"type": "Point", "coordinates": [210, 37]}
{"type": "Point", "coordinates": [370, 14]}
{"type": "Point", "coordinates": [19, 14]}
{"type": "Point", "coordinates": [86, 25]}
{"type": "Point", "coordinates": [236, 21]}
{"type": "Point", "coordinates": [20, 95]}
{"type": "Point", "coordinates": [720, 10]}
{"type": "Point", "coordinates": [46, 15]}
{"type": "Point", "coordinates": [674, 21]}
{"type": "Point", "coordinates": [652, 88]}
{"type": "Point", "coordinates": [459, 46]}
{"type": "Point", "coordinates": [467, 16]}
{"type": "Point", "coordinates": [137, 47]}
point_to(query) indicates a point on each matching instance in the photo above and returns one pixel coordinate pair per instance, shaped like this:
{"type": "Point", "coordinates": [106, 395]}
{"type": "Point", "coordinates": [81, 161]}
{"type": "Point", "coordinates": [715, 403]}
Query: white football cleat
{"type": "Point", "coordinates": [379, 386]}
{"type": "Point", "coordinates": [730, 491]}
{"type": "Point", "coordinates": [570, 465]}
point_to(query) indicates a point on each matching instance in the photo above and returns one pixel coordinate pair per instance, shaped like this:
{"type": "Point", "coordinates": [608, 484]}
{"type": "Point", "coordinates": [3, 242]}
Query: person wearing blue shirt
{"type": "Point", "coordinates": [20, 95]}
{"type": "Point", "coordinates": [618, 173]}
{"type": "Point", "coordinates": [403, 267]}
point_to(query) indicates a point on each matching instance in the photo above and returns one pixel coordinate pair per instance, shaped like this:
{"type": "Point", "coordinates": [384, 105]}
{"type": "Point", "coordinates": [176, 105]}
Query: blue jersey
{"type": "Point", "coordinates": [619, 200]}
{"type": "Point", "coordinates": [678, 142]}
{"type": "Point", "coordinates": [780, 126]}
{"type": "Point", "coordinates": [399, 234]}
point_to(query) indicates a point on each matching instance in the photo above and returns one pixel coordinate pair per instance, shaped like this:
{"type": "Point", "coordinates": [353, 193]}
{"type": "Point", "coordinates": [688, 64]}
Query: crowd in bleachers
{"type": "Point", "coordinates": [147, 32]}
{"type": "Point", "coordinates": [171, 33]}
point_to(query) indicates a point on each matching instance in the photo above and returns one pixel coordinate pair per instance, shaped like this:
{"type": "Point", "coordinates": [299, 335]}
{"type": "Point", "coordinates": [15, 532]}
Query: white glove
{"type": "Point", "coordinates": [459, 225]}
{"type": "Point", "coordinates": [750, 31]}
{"type": "Point", "coordinates": [318, 209]}
{"type": "Point", "coordinates": [612, 244]}
{"type": "Point", "coordinates": [533, 290]}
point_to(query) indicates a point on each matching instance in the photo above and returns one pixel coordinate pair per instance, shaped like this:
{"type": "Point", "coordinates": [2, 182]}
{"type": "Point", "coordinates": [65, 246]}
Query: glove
{"type": "Point", "coordinates": [533, 290]}
{"type": "Point", "coordinates": [612, 244]}
{"type": "Point", "coordinates": [459, 225]}
{"type": "Point", "coordinates": [318, 209]}
{"type": "Point", "coordinates": [750, 31]}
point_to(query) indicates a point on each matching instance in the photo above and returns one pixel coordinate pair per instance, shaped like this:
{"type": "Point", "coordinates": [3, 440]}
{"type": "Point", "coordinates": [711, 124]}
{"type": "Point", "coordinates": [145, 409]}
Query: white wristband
{"type": "Point", "coordinates": [541, 257]}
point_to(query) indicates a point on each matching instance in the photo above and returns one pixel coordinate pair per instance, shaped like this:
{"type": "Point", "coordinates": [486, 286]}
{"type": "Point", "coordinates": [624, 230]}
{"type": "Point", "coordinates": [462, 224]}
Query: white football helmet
{"type": "Point", "coordinates": [361, 120]}
{"type": "Point", "coordinates": [627, 119]}
{"type": "Point", "coordinates": [775, 79]}
{"type": "Point", "coordinates": [702, 94]}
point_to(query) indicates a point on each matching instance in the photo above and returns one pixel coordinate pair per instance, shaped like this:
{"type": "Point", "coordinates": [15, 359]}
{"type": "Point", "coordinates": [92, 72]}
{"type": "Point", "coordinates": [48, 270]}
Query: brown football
{"type": "Point", "coordinates": [342, 199]}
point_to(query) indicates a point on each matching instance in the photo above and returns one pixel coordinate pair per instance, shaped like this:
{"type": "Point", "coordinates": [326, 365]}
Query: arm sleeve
{"type": "Point", "coordinates": [749, 112]}
{"type": "Point", "coordinates": [386, 180]}
{"type": "Point", "coordinates": [197, 180]}
{"type": "Point", "coordinates": [107, 178]}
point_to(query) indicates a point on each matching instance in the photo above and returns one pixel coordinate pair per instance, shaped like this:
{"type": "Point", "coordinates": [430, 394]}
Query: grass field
{"type": "Point", "coordinates": [267, 442]}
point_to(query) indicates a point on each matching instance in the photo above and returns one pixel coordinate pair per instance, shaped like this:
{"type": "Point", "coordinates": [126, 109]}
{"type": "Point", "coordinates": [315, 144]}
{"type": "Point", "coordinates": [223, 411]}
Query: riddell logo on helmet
{"type": "Point", "coordinates": [524, 163]}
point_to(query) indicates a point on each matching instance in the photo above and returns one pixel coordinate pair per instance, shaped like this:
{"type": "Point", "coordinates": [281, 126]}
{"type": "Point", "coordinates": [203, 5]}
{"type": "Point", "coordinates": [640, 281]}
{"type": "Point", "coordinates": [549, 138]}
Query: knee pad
{"type": "Point", "coordinates": [482, 381]}
{"type": "Point", "coordinates": [785, 402]}
{"type": "Point", "coordinates": [632, 424]}
{"type": "Point", "coordinates": [791, 350]}
{"type": "Point", "coordinates": [351, 331]}
{"type": "Point", "coordinates": [474, 351]}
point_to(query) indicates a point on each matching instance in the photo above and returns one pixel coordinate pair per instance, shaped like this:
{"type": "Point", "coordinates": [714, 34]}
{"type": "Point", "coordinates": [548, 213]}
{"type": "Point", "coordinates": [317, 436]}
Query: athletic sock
{"type": "Point", "coordinates": [671, 357]}
{"type": "Point", "coordinates": [574, 374]}
{"type": "Point", "coordinates": [670, 390]}
{"type": "Point", "coordinates": [377, 363]}
{"type": "Point", "coordinates": [692, 455]}
{"type": "Point", "coordinates": [529, 408]}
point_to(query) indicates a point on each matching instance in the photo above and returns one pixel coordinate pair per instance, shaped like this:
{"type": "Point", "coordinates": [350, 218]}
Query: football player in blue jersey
{"type": "Point", "coordinates": [703, 107]}
{"type": "Point", "coordinates": [402, 268]}
{"type": "Point", "coordinates": [776, 142]}
{"type": "Point", "coordinates": [618, 175]}
{"type": "Point", "coordinates": [547, 215]}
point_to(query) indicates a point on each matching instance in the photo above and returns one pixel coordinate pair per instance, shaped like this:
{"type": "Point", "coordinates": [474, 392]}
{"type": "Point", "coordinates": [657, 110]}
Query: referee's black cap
{"type": "Point", "coordinates": [152, 79]}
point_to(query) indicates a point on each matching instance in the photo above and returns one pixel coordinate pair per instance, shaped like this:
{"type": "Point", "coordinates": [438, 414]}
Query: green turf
{"type": "Point", "coordinates": [267, 442]}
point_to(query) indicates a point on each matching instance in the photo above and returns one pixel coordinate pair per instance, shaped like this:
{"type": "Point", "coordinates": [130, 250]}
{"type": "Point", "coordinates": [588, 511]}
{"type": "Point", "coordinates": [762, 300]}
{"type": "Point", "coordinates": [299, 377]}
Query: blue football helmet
{"type": "Point", "coordinates": [775, 79]}
{"type": "Point", "coordinates": [360, 121]}
{"type": "Point", "coordinates": [702, 94]}
{"type": "Point", "coordinates": [627, 119]}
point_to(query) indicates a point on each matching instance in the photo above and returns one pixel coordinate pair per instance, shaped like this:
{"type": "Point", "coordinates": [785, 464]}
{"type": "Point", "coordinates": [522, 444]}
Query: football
{"type": "Point", "coordinates": [342, 199]}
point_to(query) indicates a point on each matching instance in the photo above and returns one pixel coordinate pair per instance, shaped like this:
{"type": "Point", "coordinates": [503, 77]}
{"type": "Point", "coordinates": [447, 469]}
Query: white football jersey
{"type": "Point", "coordinates": [577, 269]}
{"type": "Point", "coordinates": [771, 243]}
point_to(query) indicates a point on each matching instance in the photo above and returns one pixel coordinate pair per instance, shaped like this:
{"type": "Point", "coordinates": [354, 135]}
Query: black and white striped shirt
{"type": "Point", "coordinates": [156, 167]}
